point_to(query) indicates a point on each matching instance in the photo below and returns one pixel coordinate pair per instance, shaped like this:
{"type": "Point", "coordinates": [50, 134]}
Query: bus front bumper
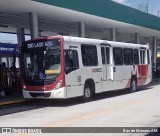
{"type": "Point", "coordinates": [53, 94]}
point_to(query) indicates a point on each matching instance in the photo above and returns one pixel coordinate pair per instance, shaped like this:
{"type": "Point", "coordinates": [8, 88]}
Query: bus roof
{"type": "Point", "coordinates": [98, 41]}
{"type": "Point", "coordinates": [94, 41]}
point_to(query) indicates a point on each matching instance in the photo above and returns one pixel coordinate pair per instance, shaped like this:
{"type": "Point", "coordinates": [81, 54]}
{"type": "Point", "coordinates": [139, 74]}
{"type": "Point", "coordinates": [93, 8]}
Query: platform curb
{"type": "Point", "coordinates": [12, 102]}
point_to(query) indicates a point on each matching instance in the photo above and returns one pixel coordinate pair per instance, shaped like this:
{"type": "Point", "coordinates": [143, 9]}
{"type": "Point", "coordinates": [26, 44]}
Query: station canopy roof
{"type": "Point", "coordinates": [101, 14]}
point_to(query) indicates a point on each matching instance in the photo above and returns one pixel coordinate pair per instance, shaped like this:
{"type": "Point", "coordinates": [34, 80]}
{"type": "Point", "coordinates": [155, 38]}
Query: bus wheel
{"type": "Point", "coordinates": [133, 85]}
{"type": "Point", "coordinates": [87, 93]}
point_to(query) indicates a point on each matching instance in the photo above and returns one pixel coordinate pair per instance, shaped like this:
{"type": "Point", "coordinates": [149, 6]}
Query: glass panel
{"type": "Point", "coordinates": [141, 55]}
{"type": "Point", "coordinates": [41, 60]}
{"type": "Point", "coordinates": [148, 57]}
{"type": "Point", "coordinates": [107, 55]}
{"type": "Point", "coordinates": [128, 56]}
{"type": "Point", "coordinates": [71, 60]}
{"type": "Point", "coordinates": [144, 58]}
{"type": "Point", "coordinates": [118, 56]}
{"type": "Point", "coordinates": [136, 56]}
{"type": "Point", "coordinates": [89, 55]}
{"type": "Point", "coordinates": [4, 59]}
{"type": "Point", "coordinates": [17, 62]}
{"type": "Point", "coordinates": [103, 55]}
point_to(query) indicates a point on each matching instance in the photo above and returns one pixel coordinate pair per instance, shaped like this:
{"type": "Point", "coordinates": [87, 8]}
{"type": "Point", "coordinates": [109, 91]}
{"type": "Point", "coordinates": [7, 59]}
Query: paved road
{"type": "Point", "coordinates": [111, 109]}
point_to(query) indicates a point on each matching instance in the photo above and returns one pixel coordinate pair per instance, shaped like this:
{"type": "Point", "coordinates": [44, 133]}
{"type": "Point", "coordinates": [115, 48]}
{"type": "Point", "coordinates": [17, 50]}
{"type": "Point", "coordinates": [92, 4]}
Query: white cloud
{"type": "Point", "coordinates": [124, 2]}
{"type": "Point", "coordinates": [121, 1]}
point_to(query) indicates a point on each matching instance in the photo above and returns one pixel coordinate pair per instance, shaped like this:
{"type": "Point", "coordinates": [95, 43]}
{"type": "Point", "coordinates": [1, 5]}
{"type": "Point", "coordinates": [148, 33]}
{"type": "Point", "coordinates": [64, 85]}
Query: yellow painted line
{"type": "Point", "coordinates": [102, 111]}
{"type": "Point", "coordinates": [23, 134]}
{"type": "Point", "coordinates": [12, 102]}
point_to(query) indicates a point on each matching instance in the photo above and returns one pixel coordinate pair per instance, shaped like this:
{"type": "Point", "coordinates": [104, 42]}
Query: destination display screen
{"type": "Point", "coordinates": [42, 43]}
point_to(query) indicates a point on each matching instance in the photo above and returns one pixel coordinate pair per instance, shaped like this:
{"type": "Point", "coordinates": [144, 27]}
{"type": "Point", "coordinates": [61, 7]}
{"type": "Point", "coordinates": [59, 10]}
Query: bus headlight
{"type": "Point", "coordinates": [24, 87]}
{"type": "Point", "coordinates": [58, 85]}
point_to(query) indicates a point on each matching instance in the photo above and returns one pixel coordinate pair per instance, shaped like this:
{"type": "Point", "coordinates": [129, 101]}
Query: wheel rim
{"type": "Point", "coordinates": [87, 92]}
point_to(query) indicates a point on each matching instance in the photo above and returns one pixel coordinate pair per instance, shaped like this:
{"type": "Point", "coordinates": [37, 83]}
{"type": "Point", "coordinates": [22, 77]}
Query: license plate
{"type": "Point", "coordinates": [40, 96]}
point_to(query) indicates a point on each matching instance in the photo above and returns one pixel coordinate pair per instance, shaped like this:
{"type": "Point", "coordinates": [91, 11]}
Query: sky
{"type": "Point", "coordinates": [153, 5]}
{"type": "Point", "coordinates": [10, 38]}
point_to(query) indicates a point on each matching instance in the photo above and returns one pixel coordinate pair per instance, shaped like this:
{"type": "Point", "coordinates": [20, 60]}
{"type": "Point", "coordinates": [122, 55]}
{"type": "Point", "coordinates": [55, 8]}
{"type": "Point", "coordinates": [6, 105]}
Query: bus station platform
{"type": "Point", "coordinates": [8, 100]}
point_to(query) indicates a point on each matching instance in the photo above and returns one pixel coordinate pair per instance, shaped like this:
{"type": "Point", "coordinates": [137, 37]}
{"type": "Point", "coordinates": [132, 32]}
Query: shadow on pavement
{"type": "Point", "coordinates": [41, 103]}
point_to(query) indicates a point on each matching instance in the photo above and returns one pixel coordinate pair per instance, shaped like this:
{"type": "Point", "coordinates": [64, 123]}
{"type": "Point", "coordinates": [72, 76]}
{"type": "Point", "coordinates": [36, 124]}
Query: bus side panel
{"type": "Point", "coordinates": [122, 76]}
{"type": "Point", "coordinates": [73, 84]}
{"type": "Point", "coordinates": [95, 74]}
{"type": "Point", "coordinates": [130, 71]}
{"type": "Point", "coordinates": [108, 85]}
{"type": "Point", "coordinates": [149, 78]}
{"type": "Point", "coordinates": [145, 75]}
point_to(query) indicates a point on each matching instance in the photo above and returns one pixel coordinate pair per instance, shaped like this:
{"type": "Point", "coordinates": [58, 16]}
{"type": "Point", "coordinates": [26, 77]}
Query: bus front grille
{"type": "Point", "coordinates": [40, 94]}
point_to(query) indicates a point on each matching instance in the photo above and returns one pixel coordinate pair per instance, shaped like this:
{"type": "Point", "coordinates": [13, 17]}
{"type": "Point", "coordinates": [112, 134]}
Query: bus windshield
{"type": "Point", "coordinates": [41, 61]}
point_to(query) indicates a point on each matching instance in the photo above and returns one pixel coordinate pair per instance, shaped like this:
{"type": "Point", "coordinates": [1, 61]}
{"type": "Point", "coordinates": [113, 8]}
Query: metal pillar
{"type": "Point", "coordinates": [137, 38]}
{"type": "Point", "coordinates": [20, 36]}
{"type": "Point", "coordinates": [154, 50]}
{"type": "Point", "coordinates": [33, 19]}
{"type": "Point", "coordinates": [113, 34]}
{"type": "Point", "coordinates": [81, 29]}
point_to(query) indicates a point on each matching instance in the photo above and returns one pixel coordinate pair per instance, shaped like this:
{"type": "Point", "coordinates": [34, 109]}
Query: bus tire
{"type": "Point", "coordinates": [133, 85]}
{"type": "Point", "coordinates": [87, 93]}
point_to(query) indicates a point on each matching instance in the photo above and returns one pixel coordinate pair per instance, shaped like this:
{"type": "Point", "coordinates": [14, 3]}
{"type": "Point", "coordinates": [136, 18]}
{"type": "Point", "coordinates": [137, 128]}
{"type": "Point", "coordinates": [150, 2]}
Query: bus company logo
{"type": "Point", "coordinates": [6, 130]}
{"type": "Point", "coordinates": [96, 70]}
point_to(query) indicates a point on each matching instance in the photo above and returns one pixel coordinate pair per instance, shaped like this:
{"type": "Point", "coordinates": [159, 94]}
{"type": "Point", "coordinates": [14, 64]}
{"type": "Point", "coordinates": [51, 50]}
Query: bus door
{"type": "Point", "coordinates": [72, 72]}
{"type": "Point", "coordinates": [143, 67]}
{"type": "Point", "coordinates": [106, 62]}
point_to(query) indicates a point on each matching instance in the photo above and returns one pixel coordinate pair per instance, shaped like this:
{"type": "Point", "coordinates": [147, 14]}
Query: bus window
{"type": "Point", "coordinates": [148, 57]}
{"type": "Point", "coordinates": [71, 60]}
{"type": "Point", "coordinates": [118, 56]}
{"type": "Point", "coordinates": [136, 56]}
{"type": "Point", "coordinates": [103, 55]}
{"type": "Point", "coordinates": [128, 56]}
{"type": "Point", "coordinates": [17, 62]}
{"type": "Point", "coordinates": [107, 55]}
{"type": "Point", "coordinates": [10, 60]}
{"type": "Point", "coordinates": [89, 55]}
{"type": "Point", "coordinates": [142, 55]}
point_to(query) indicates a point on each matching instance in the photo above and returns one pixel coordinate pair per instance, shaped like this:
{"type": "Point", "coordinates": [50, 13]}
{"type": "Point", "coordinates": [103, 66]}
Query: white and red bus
{"type": "Point", "coordinates": [60, 67]}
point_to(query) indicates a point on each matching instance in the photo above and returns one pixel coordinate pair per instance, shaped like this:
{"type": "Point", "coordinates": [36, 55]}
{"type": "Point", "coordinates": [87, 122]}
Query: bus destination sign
{"type": "Point", "coordinates": [39, 44]}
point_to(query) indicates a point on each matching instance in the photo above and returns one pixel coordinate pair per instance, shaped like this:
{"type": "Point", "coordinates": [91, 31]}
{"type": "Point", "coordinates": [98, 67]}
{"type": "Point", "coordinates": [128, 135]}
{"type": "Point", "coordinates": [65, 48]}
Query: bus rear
{"type": "Point", "coordinates": [42, 67]}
